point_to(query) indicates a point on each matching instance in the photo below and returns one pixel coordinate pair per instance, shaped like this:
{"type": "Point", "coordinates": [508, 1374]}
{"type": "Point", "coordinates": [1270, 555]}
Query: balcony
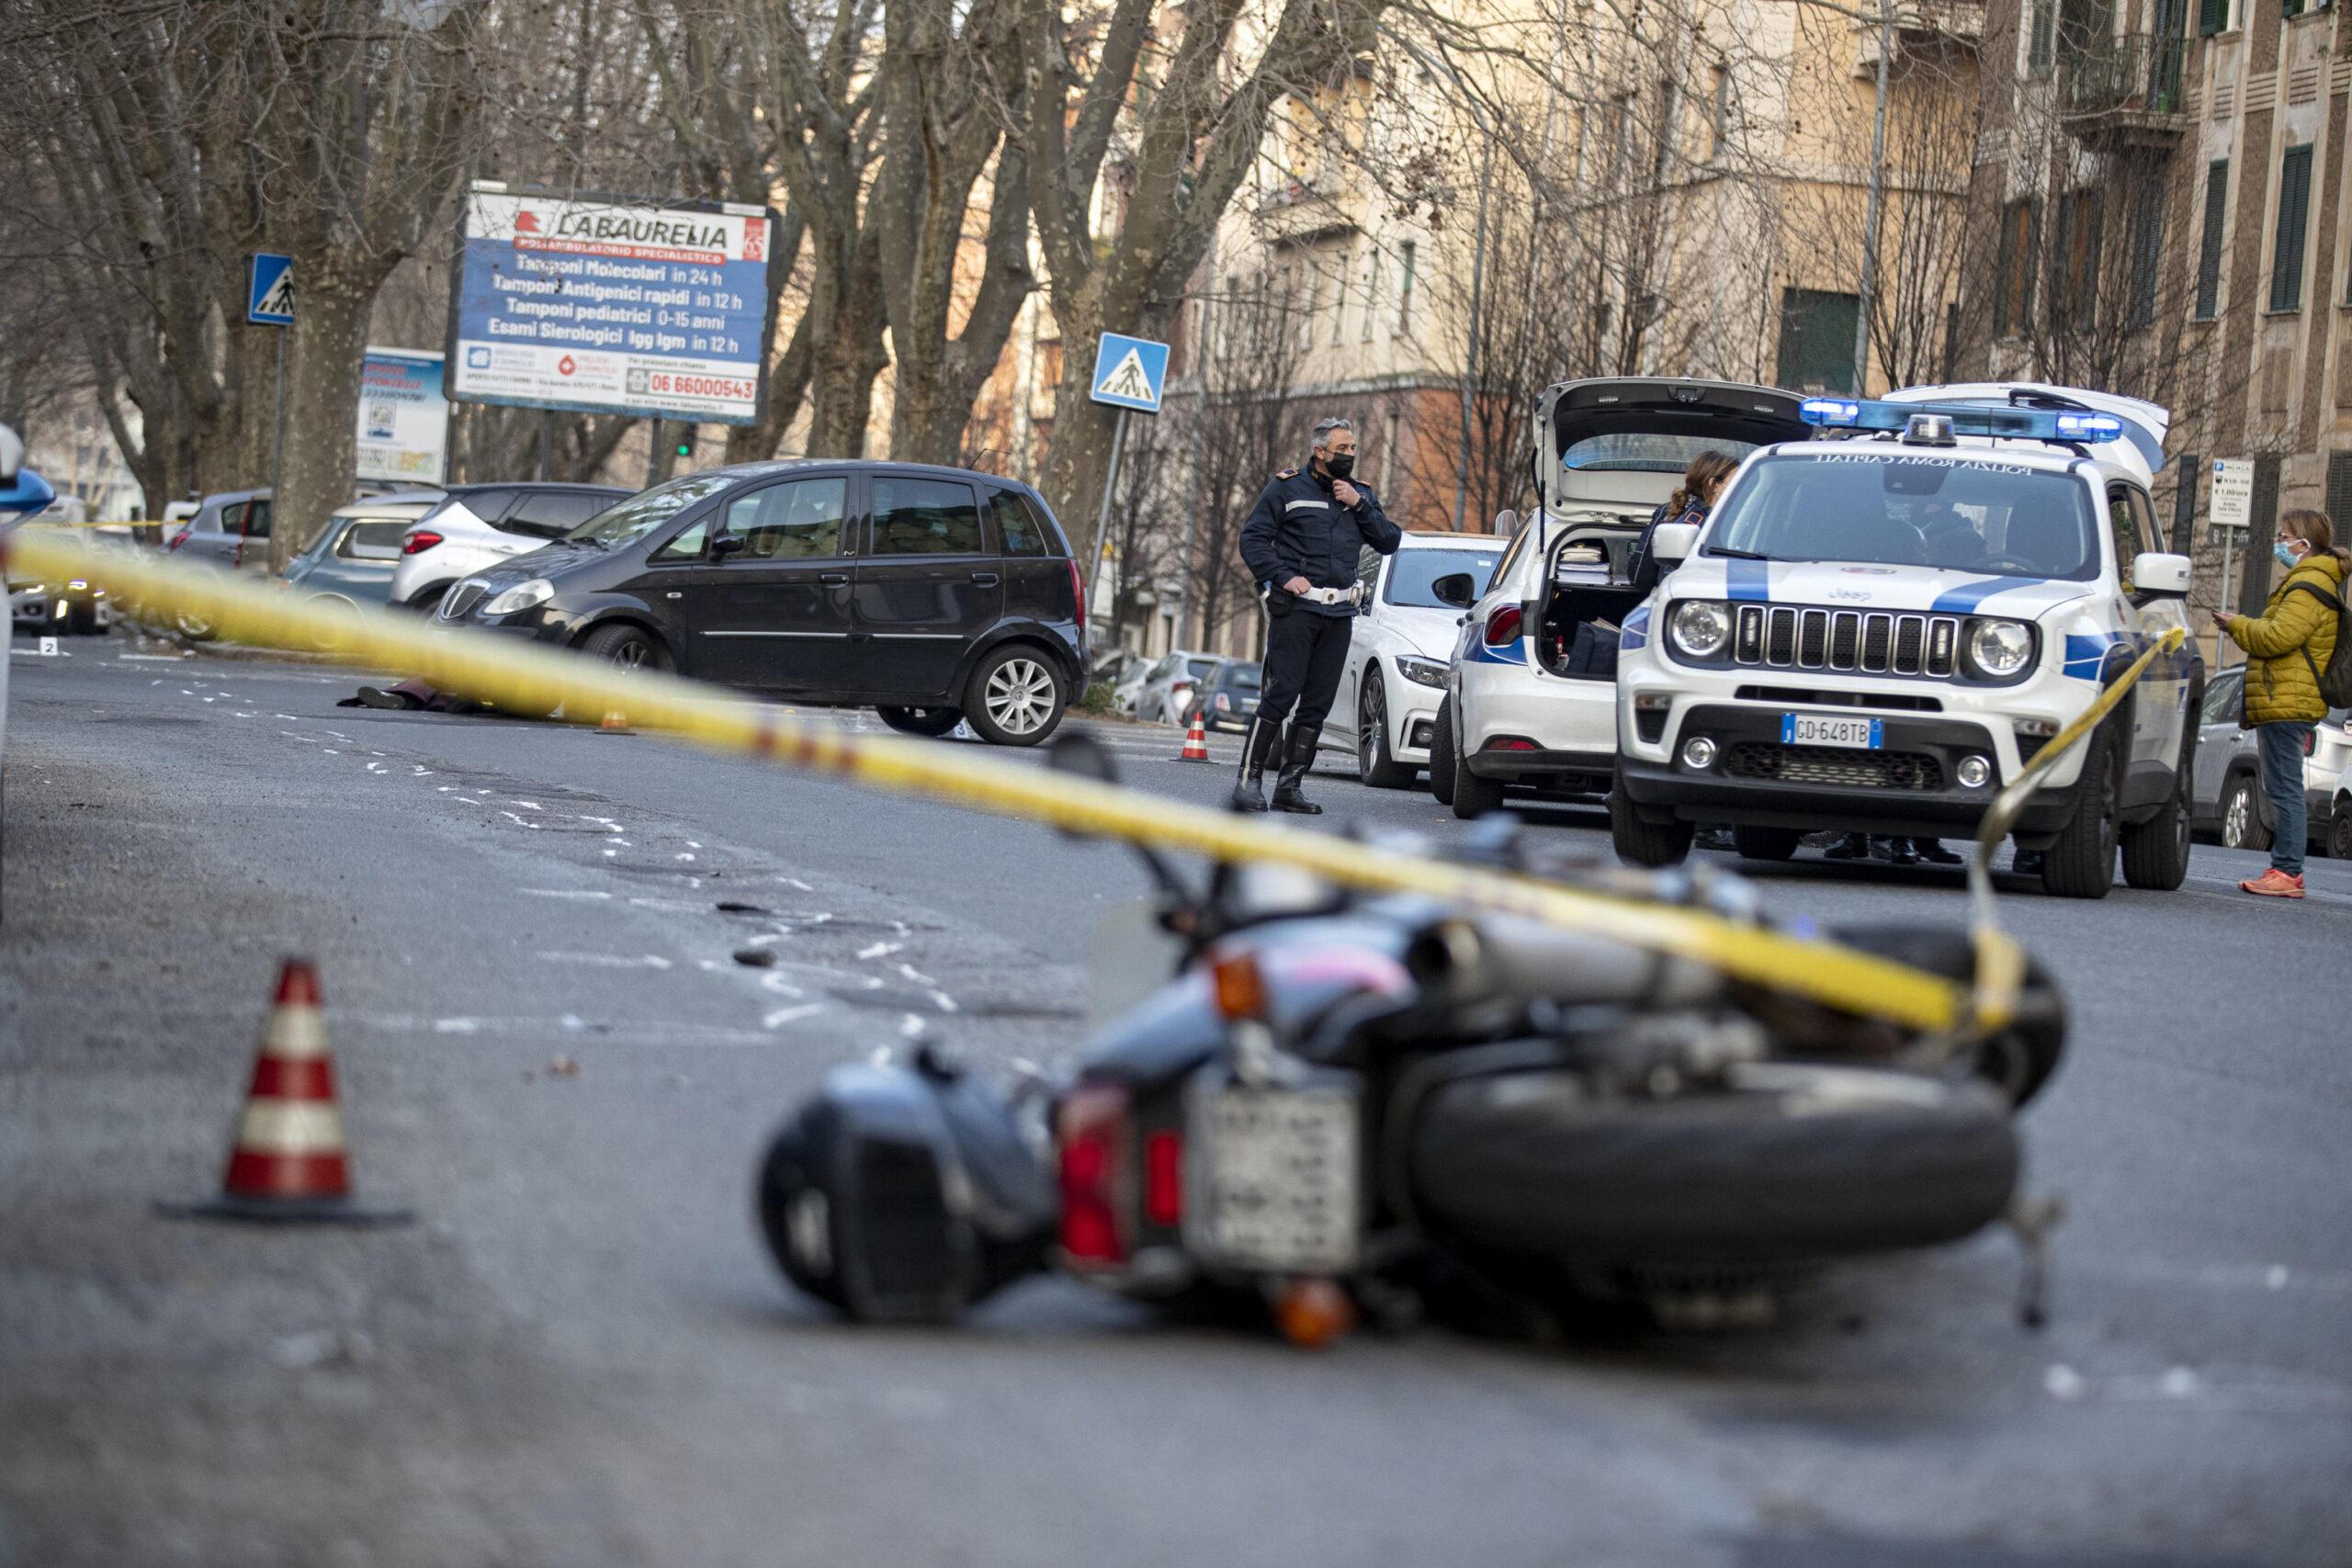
{"type": "Point", "coordinates": [1923, 30]}
{"type": "Point", "coordinates": [1306, 207]}
{"type": "Point", "coordinates": [2124, 89]}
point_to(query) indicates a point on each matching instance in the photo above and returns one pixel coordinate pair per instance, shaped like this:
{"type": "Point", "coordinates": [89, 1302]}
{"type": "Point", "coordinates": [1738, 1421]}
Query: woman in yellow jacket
{"type": "Point", "coordinates": [2286, 645]}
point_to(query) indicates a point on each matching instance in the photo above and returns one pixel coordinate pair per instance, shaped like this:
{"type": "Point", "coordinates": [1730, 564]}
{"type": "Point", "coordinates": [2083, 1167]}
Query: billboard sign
{"type": "Point", "coordinates": [403, 418]}
{"type": "Point", "coordinates": [609, 305]}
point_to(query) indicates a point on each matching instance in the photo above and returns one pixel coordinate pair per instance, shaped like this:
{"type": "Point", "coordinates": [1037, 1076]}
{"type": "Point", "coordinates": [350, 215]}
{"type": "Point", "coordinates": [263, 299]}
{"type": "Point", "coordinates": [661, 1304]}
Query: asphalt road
{"type": "Point", "coordinates": [580, 1354]}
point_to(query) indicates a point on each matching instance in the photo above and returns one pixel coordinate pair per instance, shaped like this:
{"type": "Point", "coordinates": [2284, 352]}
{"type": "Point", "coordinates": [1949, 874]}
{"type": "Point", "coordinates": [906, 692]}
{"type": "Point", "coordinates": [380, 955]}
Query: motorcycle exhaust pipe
{"type": "Point", "coordinates": [1499, 958]}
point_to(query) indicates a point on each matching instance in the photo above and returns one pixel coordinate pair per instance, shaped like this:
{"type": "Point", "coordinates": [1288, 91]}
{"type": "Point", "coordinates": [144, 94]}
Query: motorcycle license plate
{"type": "Point", "coordinates": [1822, 729]}
{"type": "Point", "coordinates": [1275, 1185]}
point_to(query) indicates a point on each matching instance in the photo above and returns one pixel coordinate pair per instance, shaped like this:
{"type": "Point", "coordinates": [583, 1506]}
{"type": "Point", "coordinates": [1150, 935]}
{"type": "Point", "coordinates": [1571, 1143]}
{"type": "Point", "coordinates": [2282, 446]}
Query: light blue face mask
{"type": "Point", "coordinates": [2285, 552]}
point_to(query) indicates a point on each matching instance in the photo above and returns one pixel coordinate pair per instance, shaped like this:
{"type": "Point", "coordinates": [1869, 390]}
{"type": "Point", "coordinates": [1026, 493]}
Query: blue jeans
{"type": "Point", "coordinates": [2282, 776]}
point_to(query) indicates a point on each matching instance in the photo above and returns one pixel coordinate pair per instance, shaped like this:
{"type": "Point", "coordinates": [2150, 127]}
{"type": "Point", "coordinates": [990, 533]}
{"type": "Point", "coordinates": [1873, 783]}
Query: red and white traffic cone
{"type": "Point", "coordinates": [1197, 742]}
{"type": "Point", "coordinates": [289, 1161]}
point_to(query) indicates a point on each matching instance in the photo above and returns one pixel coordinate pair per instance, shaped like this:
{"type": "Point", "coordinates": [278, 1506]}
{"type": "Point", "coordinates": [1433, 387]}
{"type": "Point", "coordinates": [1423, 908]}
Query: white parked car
{"type": "Point", "coordinates": [1400, 652]}
{"type": "Point", "coordinates": [478, 526]}
{"type": "Point", "coordinates": [1532, 696]}
{"type": "Point", "coordinates": [1876, 633]}
{"type": "Point", "coordinates": [1166, 693]}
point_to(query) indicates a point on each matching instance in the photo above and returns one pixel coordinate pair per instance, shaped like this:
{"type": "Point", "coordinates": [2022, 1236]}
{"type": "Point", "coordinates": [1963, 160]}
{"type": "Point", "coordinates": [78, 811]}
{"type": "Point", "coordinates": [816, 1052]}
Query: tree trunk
{"type": "Point", "coordinates": [849, 358]}
{"type": "Point", "coordinates": [323, 386]}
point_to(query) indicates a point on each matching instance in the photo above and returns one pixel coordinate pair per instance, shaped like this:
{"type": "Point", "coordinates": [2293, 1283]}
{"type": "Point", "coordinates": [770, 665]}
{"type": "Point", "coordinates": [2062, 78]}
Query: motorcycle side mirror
{"type": "Point", "coordinates": [1456, 588]}
{"type": "Point", "coordinates": [1074, 752]}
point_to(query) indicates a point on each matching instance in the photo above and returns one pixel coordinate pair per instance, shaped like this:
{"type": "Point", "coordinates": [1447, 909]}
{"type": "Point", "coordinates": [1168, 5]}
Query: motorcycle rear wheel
{"type": "Point", "coordinates": [1798, 1164]}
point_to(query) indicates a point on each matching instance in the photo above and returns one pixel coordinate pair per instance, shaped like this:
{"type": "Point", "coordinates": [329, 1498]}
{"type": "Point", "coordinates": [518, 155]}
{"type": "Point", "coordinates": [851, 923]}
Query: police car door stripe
{"type": "Point", "coordinates": [1960, 601]}
{"type": "Point", "coordinates": [1748, 580]}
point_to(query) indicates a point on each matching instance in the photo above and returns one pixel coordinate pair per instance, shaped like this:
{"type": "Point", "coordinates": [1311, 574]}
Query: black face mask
{"type": "Point", "coordinates": [1341, 465]}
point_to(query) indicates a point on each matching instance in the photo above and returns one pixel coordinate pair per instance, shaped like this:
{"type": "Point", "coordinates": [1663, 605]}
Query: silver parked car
{"type": "Point", "coordinates": [2229, 802]}
{"type": "Point", "coordinates": [1167, 691]}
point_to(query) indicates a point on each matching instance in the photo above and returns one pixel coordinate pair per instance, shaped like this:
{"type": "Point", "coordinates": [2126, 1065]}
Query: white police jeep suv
{"type": "Point", "coordinates": [1876, 633]}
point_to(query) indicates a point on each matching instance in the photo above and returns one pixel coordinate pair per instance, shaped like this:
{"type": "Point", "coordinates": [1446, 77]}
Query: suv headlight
{"type": "Point", "coordinates": [1701, 627]}
{"type": "Point", "coordinates": [1421, 671]}
{"type": "Point", "coordinates": [522, 596]}
{"type": "Point", "coordinates": [1998, 649]}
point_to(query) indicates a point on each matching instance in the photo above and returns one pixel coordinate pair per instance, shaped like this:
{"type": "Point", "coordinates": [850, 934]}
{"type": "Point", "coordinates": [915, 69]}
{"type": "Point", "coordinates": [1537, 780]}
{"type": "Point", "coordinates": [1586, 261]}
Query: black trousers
{"type": "Point", "coordinates": [1304, 655]}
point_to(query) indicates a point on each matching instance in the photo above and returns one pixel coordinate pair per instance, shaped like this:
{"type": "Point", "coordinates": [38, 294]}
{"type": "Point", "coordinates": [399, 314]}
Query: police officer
{"type": "Point", "coordinates": [1301, 543]}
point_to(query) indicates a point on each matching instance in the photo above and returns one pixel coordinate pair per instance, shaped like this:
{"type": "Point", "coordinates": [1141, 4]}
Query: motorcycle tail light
{"type": "Point", "coordinates": [1240, 985]}
{"type": "Point", "coordinates": [1502, 627]}
{"type": "Point", "coordinates": [416, 544]}
{"type": "Point", "coordinates": [1163, 1178]}
{"type": "Point", "coordinates": [1090, 1135]}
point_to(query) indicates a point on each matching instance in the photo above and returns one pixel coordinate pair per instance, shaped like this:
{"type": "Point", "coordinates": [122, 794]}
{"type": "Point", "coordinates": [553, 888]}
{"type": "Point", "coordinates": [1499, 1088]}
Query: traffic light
{"type": "Point", "coordinates": [686, 442]}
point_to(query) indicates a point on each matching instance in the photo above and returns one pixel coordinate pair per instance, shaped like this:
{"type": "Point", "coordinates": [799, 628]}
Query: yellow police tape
{"type": "Point", "coordinates": [527, 678]}
{"type": "Point", "coordinates": [2000, 964]}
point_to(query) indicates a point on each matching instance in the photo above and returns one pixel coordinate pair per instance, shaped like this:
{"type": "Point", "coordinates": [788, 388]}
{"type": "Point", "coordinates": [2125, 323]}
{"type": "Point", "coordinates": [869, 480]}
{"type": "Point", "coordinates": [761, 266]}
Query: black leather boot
{"type": "Point", "coordinates": [1248, 789]}
{"type": "Point", "coordinates": [1295, 761]}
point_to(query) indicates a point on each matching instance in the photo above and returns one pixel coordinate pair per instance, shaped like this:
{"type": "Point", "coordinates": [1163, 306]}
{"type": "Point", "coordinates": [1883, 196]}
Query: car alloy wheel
{"type": "Point", "coordinates": [1020, 696]}
{"type": "Point", "coordinates": [2339, 831]}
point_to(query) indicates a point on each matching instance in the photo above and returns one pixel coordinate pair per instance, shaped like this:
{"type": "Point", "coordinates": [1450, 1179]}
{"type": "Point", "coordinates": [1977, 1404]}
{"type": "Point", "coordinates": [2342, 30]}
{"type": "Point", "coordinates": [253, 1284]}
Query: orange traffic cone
{"type": "Point", "coordinates": [289, 1161]}
{"type": "Point", "coordinates": [615, 723]}
{"type": "Point", "coordinates": [1197, 742]}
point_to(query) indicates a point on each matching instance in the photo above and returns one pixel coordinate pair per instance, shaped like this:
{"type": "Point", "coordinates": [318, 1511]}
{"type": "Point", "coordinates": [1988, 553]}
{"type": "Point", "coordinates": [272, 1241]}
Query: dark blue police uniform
{"type": "Point", "coordinates": [1299, 529]}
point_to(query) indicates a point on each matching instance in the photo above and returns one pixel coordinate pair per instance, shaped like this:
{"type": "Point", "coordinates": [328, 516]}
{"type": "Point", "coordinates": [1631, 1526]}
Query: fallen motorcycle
{"type": "Point", "coordinates": [1342, 1103]}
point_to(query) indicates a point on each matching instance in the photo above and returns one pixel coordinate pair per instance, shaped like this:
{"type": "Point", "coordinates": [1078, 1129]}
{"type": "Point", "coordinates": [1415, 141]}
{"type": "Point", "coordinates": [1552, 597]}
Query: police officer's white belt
{"type": "Point", "coordinates": [1351, 594]}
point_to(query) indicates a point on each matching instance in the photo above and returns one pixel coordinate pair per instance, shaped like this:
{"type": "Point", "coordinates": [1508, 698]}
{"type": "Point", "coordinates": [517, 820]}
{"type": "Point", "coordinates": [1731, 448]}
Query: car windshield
{"type": "Point", "coordinates": [1631, 452]}
{"type": "Point", "coordinates": [1894, 507]}
{"type": "Point", "coordinates": [1410, 574]}
{"type": "Point", "coordinates": [647, 510]}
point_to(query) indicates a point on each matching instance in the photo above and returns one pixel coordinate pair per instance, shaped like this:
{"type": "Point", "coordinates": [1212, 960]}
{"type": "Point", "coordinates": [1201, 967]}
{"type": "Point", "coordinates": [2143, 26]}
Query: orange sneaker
{"type": "Point", "coordinates": [2274, 884]}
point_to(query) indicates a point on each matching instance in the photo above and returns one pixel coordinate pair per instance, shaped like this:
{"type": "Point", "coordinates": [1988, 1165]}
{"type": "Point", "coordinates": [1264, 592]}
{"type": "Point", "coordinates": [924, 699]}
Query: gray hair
{"type": "Point", "coordinates": [1323, 428]}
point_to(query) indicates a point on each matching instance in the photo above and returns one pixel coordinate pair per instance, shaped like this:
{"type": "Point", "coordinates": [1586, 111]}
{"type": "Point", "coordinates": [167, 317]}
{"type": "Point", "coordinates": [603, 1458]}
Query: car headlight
{"type": "Point", "coordinates": [1701, 627]}
{"type": "Point", "coordinates": [1421, 671]}
{"type": "Point", "coordinates": [522, 596]}
{"type": "Point", "coordinates": [1999, 649]}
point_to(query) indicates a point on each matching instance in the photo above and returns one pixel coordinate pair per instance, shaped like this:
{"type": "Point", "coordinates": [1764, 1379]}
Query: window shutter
{"type": "Point", "coordinates": [2340, 487]}
{"type": "Point", "coordinates": [2008, 270]}
{"type": "Point", "coordinates": [2208, 258]}
{"type": "Point", "coordinates": [2286, 254]}
{"type": "Point", "coordinates": [2147, 250]}
{"type": "Point", "coordinates": [2213, 16]}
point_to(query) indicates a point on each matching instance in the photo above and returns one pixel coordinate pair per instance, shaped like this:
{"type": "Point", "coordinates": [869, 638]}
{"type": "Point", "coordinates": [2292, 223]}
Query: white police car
{"type": "Point", "coordinates": [1530, 698]}
{"type": "Point", "coordinates": [1876, 633]}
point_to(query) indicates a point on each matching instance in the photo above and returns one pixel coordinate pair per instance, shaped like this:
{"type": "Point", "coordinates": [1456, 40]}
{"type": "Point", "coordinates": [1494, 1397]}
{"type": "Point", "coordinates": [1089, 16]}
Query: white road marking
{"type": "Point", "coordinates": [880, 950]}
{"type": "Point", "coordinates": [783, 1016]}
{"type": "Point", "coordinates": [608, 960]}
{"type": "Point", "coordinates": [562, 893]}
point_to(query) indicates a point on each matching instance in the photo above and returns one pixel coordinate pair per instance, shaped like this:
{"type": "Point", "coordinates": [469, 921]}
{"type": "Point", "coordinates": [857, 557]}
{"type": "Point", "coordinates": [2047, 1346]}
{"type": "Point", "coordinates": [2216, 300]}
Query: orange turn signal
{"type": "Point", "coordinates": [1241, 986]}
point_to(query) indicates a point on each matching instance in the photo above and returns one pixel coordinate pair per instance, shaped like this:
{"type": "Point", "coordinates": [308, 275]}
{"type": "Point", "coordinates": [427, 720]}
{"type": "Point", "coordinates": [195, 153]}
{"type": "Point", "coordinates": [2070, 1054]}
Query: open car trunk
{"type": "Point", "coordinates": [1614, 451]}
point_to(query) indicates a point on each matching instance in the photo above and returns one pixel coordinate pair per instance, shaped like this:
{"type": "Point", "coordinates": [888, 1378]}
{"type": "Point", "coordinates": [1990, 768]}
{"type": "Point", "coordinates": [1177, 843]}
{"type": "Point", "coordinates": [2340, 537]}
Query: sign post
{"type": "Point", "coordinates": [2232, 507]}
{"type": "Point", "coordinates": [1129, 375]}
{"type": "Point", "coordinates": [270, 302]}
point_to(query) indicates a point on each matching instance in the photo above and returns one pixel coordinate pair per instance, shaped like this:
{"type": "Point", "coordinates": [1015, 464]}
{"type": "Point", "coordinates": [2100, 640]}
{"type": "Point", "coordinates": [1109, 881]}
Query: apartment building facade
{"type": "Point", "coordinates": [2159, 189]}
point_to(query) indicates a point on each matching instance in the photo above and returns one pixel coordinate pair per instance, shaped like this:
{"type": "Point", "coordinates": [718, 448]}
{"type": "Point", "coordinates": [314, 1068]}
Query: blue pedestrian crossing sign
{"type": "Point", "coordinates": [1129, 372]}
{"type": "Point", "coordinates": [269, 294]}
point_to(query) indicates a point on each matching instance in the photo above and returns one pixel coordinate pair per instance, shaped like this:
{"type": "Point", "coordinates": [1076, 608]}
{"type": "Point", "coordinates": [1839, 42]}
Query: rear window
{"type": "Point", "coordinates": [1200, 668]}
{"type": "Point", "coordinates": [1412, 571]}
{"type": "Point", "coordinates": [372, 541]}
{"type": "Point", "coordinates": [1898, 508]}
{"type": "Point", "coordinates": [1633, 452]}
{"type": "Point", "coordinates": [924, 518]}
{"type": "Point", "coordinates": [551, 514]}
{"type": "Point", "coordinates": [1243, 677]}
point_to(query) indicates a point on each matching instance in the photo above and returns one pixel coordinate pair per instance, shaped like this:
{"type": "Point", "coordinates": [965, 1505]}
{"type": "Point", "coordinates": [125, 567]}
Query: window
{"type": "Point", "coordinates": [2208, 254]}
{"type": "Point", "coordinates": [1371, 288]}
{"type": "Point", "coordinates": [1339, 297]}
{"type": "Point", "coordinates": [552, 513]}
{"type": "Point", "coordinates": [485, 505]}
{"type": "Point", "coordinates": [924, 518]}
{"type": "Point", "coordinates": [2124, 521]}
{"type": "Point", "coordinates": [2074, 262]}
{"type": "Point", "coordinates": [1818, 340]}
{"type": "Point", "coordinates": [2294, 213]}
{"type": "Point", "coordinates": [1884, 507]}
{"type": "Point", "coordinates": [687, 546]}
{"type": "Point", "coordinates": [2213, 16]}
{"type": "Point", "coordinates": [632, 519]}
{"type": "Point", "coordinates": [1719, 113]}
{"type": "Point", "coordinates": [257, 518]}
{"type": "Point", "coordinates": [1388, 423]}
{"type": "Point", "coordinates": [2013, 288]}
{"type": "Point", "coordinates": [2222, 698]}
{"type": "Point", "coordinates": [2147, 250]}
{"type": "Point", "coordinates": [372, 541]}
{"type": "Point", "coordinates": [2340, 487]}
{"type": "Point", "coordinates": [793, 522]}
{"type": "Point", "coordinates": [1409, 579]}
{"type": "Point", "coordinates": [1313, 301]}
{"type": "Point", "coordinates": [2041, 46]}
{"type": "Point", "coordinates": [1405, 257]}
{"type": "Point", "coordinates": [1019, 532]}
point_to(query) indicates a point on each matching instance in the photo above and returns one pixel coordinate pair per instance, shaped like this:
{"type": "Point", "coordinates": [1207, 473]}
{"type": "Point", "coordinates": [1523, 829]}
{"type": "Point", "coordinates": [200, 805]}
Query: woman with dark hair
{"type": "Point", "coordinates": [1702, 483]}
{"type": "Point", "coordinates": [2287, 648]}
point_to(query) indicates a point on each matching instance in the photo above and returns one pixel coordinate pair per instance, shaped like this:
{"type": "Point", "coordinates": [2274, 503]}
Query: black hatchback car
{"type": "Point", "coordinates": [928, 594]}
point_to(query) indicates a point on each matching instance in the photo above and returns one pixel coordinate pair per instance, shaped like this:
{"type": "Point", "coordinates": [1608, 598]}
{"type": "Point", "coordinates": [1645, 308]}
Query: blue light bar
{"type": "Point", "coordinates": [1967, 419]}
